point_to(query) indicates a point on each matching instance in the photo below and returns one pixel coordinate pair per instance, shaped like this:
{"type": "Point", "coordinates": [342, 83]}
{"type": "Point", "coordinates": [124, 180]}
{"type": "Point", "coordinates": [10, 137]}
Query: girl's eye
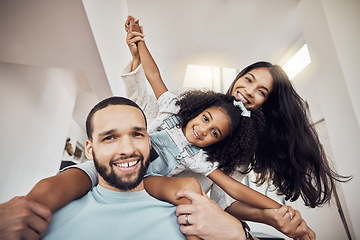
{"type": "Point", "coordinates": [214, 133]}
{"type": "Point", "coordinates": [206, 119]}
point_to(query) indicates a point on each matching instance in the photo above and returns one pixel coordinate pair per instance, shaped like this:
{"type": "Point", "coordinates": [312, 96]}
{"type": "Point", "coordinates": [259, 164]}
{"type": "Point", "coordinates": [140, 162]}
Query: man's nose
{"type": "Point", "coordinates": [126, 146]}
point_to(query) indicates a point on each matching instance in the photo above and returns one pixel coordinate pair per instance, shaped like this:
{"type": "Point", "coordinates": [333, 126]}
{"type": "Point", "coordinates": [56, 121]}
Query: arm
{"type": "Point", "coordinates": [57, 191]}
{"type": "Point", "coordinates": [151, 70]}
{"type": "Point", "coordinates": [132, 38]}
{"type": "Point", "coordinates": [169, 187]}
{"type": "Point", "coordinates": [241, 192]}
{"type": "Point", "coordinates": [207, 220]}
{"type": "Point", "coordinates": [23, 219]}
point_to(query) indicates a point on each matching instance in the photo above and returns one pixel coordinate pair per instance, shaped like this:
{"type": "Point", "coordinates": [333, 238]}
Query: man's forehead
{"type": "Point", "coordinates": [124, 113]}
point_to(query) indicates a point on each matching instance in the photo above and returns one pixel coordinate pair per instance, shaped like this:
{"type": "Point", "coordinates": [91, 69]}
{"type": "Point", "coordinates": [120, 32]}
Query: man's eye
{"type": "Point", "coordinates": [138, 135]}
{"type": "Point", "coordinates": [108, 138]}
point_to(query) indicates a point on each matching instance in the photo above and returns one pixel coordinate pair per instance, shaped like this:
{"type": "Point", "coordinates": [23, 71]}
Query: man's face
{"type": "Point", "coordinates": [120, 147]}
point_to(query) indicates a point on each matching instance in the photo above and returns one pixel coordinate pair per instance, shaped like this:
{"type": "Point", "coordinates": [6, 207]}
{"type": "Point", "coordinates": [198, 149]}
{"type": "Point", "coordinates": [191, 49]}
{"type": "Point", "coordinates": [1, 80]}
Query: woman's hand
{"type": "Point", "coordinates": [289, 221]}
{"type": "Point", "coordinates": [205, 219]}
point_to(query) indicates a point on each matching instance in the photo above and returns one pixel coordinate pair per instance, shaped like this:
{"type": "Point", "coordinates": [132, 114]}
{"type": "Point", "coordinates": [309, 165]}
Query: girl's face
{"type": "Point", "coordinates": [254, 88]}
{"type": "Point", "coordinates": [209, 127]}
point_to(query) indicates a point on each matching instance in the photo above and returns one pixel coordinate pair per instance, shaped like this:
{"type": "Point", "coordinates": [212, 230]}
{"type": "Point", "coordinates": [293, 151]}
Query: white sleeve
{"type": "Point", "coordinates": [89, 168]}
{"type": "Point", "coordinates": [136, 87]}
{"type": "Point", "coordinates": [199, 164]}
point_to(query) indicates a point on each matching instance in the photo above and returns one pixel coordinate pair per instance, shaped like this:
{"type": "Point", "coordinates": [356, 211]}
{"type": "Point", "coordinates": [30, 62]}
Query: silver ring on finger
{"type": "Point", "coordinates": [187, 220]}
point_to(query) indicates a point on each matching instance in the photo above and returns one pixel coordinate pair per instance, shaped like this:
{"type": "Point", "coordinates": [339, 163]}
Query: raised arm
{"type": "Point", "coordinates": [151, 70]}
{"type": "Point", "coordinates": [57, 191]}
{"type": "Point", "coordinates": [132, 38]}
{"type": "Point", "coordinates": [241, 192]}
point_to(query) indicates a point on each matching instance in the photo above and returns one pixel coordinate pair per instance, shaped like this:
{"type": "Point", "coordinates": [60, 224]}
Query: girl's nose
{"type": "Point", "coordinates": [204, 130]}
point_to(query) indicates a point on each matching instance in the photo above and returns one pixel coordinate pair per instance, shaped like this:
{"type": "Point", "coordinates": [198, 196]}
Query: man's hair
{"type": "Point", "coordinates": [103, 104]}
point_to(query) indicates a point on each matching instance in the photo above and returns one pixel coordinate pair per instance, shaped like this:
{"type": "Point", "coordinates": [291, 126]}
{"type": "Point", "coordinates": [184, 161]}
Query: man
{"type": "Point", "coordinates": [118, 207]}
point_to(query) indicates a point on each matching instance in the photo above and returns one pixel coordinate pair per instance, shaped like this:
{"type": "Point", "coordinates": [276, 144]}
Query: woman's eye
{"type": "Point", "coordinates": [262, 93]}
{"type": "Point", "coordinates": [248, 79]}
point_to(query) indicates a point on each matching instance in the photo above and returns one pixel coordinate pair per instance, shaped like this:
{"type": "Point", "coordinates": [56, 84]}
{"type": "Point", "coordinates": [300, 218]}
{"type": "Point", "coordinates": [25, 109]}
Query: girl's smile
{"type": "Point", "coordinates": [209, 127]}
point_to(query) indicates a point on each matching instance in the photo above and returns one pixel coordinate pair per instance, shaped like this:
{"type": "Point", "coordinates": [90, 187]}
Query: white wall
{"type": "Point", "coordinates": [104, 18]}
{"type": "Point", "coordinates": [36, 108]}
{"type": "Point", "coordinates": [332, 35]}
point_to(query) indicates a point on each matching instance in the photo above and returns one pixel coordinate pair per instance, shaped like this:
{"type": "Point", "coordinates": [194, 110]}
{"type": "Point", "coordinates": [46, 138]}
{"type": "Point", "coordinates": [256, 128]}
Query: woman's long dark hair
{"type": "Point", "coordinates": [290, 153]}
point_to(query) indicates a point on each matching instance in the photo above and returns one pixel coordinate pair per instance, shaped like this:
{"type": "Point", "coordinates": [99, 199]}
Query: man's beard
{"type": "Point", "coordinates": [125, 182]}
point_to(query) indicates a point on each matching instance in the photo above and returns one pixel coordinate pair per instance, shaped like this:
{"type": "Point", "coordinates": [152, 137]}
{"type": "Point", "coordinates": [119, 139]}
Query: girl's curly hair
{"type": "Point", "coordinates": [239, 147]}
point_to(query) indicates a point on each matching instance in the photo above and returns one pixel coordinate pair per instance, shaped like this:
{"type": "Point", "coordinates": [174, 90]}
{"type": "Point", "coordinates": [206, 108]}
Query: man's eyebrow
{"type": "Point", "coordinates": [106, 132]}
{"type": "Point", "coordinates": [255, 80]}
{"type": "Point", "coordinates": [139, 128]}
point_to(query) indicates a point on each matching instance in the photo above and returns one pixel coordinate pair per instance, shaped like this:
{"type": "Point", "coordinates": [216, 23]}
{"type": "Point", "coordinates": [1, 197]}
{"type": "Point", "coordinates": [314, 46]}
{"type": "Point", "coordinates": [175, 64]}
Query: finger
{"type": "Point", "coordinates": [189, 194]}
{"type": "Point", "coordinates": [190, 219]}
{"type": "Point", "coordinates": [184, 209]}
{"type": "Point", "coordinates": [188, 230]}
{"type": "Point", "coordinates": [282, 210]}
{"type": "Point", "coordinates": [38, 225]}
{"type": "Point", "coordinates": [41, 211]}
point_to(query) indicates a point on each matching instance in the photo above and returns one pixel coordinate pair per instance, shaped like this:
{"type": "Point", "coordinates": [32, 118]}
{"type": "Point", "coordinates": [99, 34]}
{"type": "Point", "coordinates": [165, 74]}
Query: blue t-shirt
{"type": "Point", "coordinates": [106, 214]}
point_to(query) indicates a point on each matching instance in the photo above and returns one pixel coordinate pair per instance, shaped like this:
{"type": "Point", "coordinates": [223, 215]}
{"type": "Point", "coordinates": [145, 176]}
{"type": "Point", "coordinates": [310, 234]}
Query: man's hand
{"type": "Point", "coordinates": [205, 219]}
{"type": "Point", "coordinates": [23, 219]}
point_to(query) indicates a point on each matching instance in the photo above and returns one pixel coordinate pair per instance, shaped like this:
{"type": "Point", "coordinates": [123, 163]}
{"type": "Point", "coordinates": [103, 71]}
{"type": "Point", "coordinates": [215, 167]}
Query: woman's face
{"type": "Point", "coordinates": [254, 88]}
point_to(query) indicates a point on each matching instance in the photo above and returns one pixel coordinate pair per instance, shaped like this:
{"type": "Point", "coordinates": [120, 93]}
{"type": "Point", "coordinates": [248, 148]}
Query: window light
{"type": "Point", "coordinates": [298, 62]}
{"type": "Point", "coordinates": [214, 78]}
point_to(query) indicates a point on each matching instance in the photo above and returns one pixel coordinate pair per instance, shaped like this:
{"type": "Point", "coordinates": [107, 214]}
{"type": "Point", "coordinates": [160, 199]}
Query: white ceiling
{"type": "Point", "coordinates": [226, 33]}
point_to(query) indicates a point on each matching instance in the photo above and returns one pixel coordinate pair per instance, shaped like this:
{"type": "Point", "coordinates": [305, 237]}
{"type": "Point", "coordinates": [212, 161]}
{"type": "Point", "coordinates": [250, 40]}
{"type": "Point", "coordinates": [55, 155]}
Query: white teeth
{"type": "Point", "coordinates": [244, 100]}
{"type": "Point", "coordinates": [196, 134]}
{"type": "Point", "coordinates": [127, 164]}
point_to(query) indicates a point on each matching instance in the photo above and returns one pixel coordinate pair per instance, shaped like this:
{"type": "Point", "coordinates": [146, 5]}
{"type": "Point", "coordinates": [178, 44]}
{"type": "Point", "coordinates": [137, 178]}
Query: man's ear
{"type": "Point", "coordinates": [88, 150]}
